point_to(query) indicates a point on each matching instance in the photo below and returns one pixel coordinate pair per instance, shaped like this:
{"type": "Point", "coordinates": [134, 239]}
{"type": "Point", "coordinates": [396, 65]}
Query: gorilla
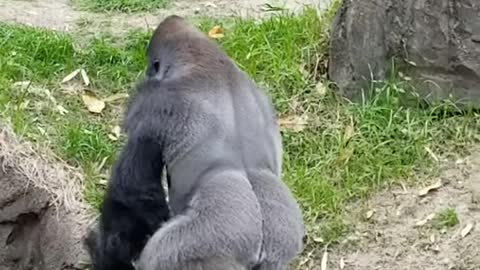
{"type": "Point", "coordinates": [215, 131]}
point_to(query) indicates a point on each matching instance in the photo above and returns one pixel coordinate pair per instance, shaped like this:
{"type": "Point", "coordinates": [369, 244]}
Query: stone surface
{"type": "Point", "coordinates": [437, 43]}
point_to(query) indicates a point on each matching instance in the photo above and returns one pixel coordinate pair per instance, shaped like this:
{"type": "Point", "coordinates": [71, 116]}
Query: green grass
{"type": "Point", "coordinates": [122, 5]}
{"type": "Point", "coordinates": [346, 152]}
{"type": "Point", "coordinates": [446, 219]}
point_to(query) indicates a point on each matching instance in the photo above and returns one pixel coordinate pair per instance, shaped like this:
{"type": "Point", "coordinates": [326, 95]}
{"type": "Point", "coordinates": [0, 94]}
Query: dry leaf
{"type": "Point", "coordinates": [318, 239]}
{"type": "Point", "coordinates": [112, 137]}
{"type": "Point", "coordinates": [94, 104]}
{"type": "Point", "coordinates": [467, 229]}
{"type": "Point", "coordinates": [216, 32]}
{"type": "Point", "coordinates": [85, 78]}
{"type": "Point", "coordinates": [424, 191]}
{"type": "Point", "coordinates": [432, 238]}
{"type": "Point", "coordinates": [210, 4]}
{"type": "Point", "coordinates": [424, 221]}
{"type": "Point", "coordinates": [342, 263]}
{"type": "Point", "coordinates": [116, 131]}
{"type": "Point", "coordinates": [321, 89]}
{"type": "Point", "coordinates": [21, 84]}
{"type": "Point", "coordinates": [70, 76]}
{"type": "Point", "coordinates": [115, 97]}
{"type": "Point", "coordinates": [293, 122]}
{"type": "Point", "coordinates": [349, 130]}
{"type": "Point", "coordinates": [369, 214]}
{"type": "Point", "coordinates": [61, 110]}
{"type": "Point", "coordinates": [324, 260]}
{"type": "Point", "coordinates": [103, 182]}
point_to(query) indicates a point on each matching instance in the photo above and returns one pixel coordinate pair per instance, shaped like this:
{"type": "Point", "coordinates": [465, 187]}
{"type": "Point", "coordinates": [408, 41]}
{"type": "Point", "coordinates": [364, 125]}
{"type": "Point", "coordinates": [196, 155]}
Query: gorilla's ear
{"type": "Point", "coordinates": [156, 65]}
{"type": "Point", "coordinates": [153, 70]}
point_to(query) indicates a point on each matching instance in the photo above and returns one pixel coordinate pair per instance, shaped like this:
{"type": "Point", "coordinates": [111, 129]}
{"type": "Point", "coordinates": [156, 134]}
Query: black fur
{"type": "Point", "coordinates": [134, 206]}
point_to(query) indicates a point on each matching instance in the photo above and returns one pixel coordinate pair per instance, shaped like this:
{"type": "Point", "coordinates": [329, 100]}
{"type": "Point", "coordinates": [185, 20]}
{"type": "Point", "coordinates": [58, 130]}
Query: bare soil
{"type": "Point", "coordinates": [60, 15]}
{"type": "Point", "coordinates": [388, 239]}
{"type": "Point", "coordinates": [392, 238]}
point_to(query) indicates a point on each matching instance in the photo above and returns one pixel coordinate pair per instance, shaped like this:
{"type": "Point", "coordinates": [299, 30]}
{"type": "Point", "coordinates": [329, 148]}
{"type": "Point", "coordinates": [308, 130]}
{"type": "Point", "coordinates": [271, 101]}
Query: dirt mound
{"type": "Point", "coordinates": [42, 217]}
{"type": "Point", "coordinates": [392, 234]}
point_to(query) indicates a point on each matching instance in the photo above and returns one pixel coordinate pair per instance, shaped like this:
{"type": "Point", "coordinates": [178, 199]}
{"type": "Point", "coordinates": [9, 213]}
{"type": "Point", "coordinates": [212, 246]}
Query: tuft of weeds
{"type": "Point", "coordinates": [128, 6]}
{"type": "Point", "coordinates": [446, 219]}
{"type": "Point", "coordinates": [346, 151]}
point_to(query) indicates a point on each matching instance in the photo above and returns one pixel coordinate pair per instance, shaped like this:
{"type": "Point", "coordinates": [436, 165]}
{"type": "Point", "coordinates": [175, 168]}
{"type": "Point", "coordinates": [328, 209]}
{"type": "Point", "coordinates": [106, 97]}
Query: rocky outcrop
{"type": "Point", "coordinates": [436, 43]}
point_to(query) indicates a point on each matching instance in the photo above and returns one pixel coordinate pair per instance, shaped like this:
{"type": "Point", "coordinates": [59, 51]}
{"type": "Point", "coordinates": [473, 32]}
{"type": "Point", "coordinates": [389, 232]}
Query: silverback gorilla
{"type": "Point", "coordinates": [204, 119]}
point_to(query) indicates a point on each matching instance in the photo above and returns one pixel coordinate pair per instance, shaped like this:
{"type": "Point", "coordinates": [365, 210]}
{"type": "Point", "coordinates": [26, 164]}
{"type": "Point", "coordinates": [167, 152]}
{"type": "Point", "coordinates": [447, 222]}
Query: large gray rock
{"type": "Point", "coordinates": [436, 41]}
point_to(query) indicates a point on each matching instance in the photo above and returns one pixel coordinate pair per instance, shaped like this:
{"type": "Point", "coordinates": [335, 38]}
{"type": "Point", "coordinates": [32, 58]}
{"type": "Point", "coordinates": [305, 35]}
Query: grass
{"type": "Point", "coordinates": [346, 152]}
{"type": "Point", "coordinates": [446, 219]}
{"type": "Point", "coordinates": [128, 6]}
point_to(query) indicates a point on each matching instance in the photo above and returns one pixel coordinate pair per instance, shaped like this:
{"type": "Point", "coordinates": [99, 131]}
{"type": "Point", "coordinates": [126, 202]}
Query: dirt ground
{"type": "Point", "coordinates": [385, 232]}
{"type": "Point", "coordinates": [60, 15]}
{"type": "Point", "coordinates": [389, 232]}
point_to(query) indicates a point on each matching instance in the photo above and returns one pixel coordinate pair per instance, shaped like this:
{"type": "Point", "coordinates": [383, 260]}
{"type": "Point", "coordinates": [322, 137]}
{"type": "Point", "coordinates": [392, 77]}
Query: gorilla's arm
{"type": "Point", "coordinates": [134, 206]}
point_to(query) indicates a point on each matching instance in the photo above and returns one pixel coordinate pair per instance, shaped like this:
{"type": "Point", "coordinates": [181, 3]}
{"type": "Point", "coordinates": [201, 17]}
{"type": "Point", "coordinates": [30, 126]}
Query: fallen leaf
{"type": "Point", "coordinates": [459, 161]}
{"type": "Point", "coordinates": [424, 221]}
{"type": "Point", "coordinates": [293, 122]}
{"type": "Point", "coordinates": [216, 32]}
{"type": "Point", "coordinates": [94, 104]}
{"type": "Point", "coordinates": [424, 191]}
{"type": "Point", "coordinates": [342, 263]}
{"type": "Point", "coordinates": [70, 76]}
{"type": "Point", "coordinates": [432, 238]}
{"type": "Point", "coordinates": [113, 138]}
{"type": "Point", "coordinates": [115, 97]}
{"type": "Point", "coordinates": [61, 110]}
{"type": "Point", "coordinates": [324, 260]}
{"type": "Point", "coordinates": [116, 131]}
{"type": "Point", "coordinates": [22, 84]}
{"type": "Point", "coordinates": [210, 4]}
{"type": "Point", "coordinates": [318, 239]}
{"type": "Point", "coordinates": [467, 229]}
{"type": "Point", "coordinates": [321, 89]}
{"type": "Point", "coordinates": [369, 214]}
{"type": "Point", "coordinates": [103, 182]}
{"type": "Point", "coordinates": [349, 130]}
{"type": "Point", "coordinates": [85, 78]}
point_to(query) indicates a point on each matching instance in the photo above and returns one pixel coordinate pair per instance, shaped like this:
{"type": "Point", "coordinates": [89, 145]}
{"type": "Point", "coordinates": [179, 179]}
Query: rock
{"type": "Point", "coordinates": [436, 42]}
